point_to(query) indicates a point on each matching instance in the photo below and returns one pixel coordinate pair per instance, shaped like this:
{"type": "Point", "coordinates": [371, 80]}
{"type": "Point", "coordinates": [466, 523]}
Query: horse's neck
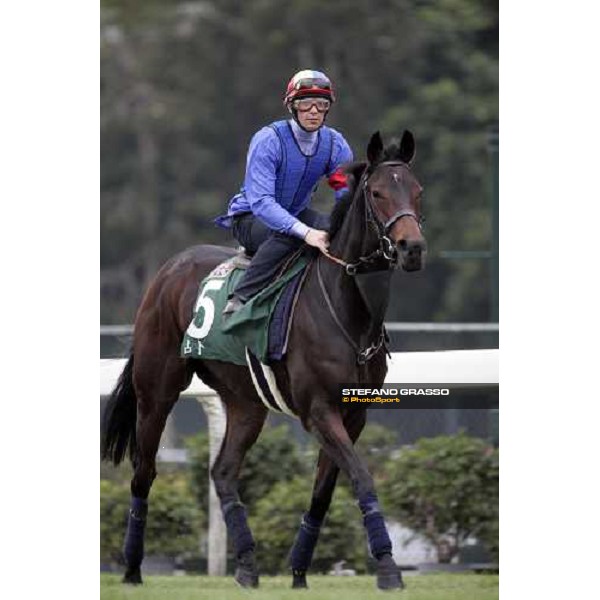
{"type": "Point", "coordinates": [349, 244]}
{"type": "Point", "coordinates": [349, 240]}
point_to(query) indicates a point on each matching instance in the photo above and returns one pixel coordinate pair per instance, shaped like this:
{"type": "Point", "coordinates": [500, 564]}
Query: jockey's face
{"type": "Point", "coordinates": [311, 119]}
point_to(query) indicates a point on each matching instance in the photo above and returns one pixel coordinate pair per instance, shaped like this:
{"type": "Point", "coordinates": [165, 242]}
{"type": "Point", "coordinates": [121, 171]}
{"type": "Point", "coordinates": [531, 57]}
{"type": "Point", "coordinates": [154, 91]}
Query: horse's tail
{"type": "Point", "coordinates": [118, 422]}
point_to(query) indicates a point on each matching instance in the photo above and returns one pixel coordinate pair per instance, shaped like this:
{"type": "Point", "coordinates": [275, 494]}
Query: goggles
{"type": "Point", "coordinates": [307, 84]}
{"type": "Point", "coordinates": [306, 104]}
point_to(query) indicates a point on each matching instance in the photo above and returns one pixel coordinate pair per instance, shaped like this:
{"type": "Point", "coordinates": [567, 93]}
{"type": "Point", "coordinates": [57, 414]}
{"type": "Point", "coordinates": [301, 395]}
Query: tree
{"type": "Point", "coordinates": [446, 490]}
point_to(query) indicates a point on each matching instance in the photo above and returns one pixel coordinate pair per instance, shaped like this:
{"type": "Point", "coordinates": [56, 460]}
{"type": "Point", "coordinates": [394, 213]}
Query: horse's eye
{"type": "Point", "coordinates": [376, 194]}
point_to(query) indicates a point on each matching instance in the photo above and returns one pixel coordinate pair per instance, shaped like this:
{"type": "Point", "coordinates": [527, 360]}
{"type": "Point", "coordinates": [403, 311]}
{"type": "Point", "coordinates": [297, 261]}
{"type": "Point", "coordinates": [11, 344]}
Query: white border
{"type": "Point", "coordinates": [49, 107]}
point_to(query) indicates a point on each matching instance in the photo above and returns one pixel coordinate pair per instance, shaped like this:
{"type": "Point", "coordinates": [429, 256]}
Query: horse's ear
{"type": "Point", "coordinates": [375, 148]}
{"type": "Point", "coordinates": [407, 147]}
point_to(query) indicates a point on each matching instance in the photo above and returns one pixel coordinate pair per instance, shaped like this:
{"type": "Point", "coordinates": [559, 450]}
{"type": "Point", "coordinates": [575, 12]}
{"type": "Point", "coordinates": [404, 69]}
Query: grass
{"type": "Point", "coordinates": [322, 587]}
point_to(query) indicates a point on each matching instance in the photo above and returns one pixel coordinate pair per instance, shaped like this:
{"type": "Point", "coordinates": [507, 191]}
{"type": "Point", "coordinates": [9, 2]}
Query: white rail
{"type": "Point", "coordinates": [442, 327]}
{"type": "Point", "coordinates": [449, 366]}
{"type": "Point", "coordinates": [390, 326]}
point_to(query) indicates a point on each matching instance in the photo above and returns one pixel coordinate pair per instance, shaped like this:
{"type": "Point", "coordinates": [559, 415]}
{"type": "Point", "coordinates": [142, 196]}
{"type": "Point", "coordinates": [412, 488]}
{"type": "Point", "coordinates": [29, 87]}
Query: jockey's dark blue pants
{"type": "Point", "coordinates": [269, 249]}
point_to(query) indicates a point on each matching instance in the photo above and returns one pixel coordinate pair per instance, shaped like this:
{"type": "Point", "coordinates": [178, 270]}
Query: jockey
{"type": "Point", "coordinates": [270, 216]}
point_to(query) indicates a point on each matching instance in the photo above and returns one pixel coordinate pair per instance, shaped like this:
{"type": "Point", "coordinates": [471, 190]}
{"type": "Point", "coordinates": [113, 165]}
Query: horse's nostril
{"type": "Point", "coordinates": [417, 247]}
{"type": "Point", "coordinates": [402, 244]}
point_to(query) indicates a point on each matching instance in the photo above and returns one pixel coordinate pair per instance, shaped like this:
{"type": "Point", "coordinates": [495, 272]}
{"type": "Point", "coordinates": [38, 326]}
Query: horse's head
{"type": "Point", "coordinates": [394, 195]}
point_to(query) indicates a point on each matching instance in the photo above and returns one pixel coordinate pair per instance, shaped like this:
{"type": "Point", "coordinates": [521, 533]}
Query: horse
{"type": "Point", "coordinates": [336, 336]}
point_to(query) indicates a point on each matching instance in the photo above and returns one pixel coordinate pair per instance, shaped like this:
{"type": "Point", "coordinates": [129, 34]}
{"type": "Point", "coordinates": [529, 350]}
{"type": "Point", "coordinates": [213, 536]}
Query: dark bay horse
{"type": "Point", "coordinates": [336, 336]}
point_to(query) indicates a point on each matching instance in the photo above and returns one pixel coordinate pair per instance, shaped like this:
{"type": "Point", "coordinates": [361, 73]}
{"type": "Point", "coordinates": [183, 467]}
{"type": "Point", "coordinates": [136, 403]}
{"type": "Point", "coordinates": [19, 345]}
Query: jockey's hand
{"type": "Point", "coordinates": [319, 239]}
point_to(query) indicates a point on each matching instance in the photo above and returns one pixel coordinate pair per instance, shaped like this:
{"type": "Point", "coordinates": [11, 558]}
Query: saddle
{"type": "Point", "coordinates": [260, 328]}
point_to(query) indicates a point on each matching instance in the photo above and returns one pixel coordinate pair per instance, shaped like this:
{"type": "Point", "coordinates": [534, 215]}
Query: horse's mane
{"type": "Point", "coordinates": [354, 171]}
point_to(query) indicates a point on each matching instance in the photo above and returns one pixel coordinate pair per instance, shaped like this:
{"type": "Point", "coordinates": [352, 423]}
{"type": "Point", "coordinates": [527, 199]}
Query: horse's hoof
{"type": "Point", "coordinates": [246, 573]}
{"type": "Point", "coordinates": [391, 581]}
{"type": "Point", "coordinates": [299, 581]}
{"type": "Point", "coordinates": [133, 576]}
{"type": "Point", "coordinates": [389, 576]}
{"type": "Point", "coordinates": [245, 578]}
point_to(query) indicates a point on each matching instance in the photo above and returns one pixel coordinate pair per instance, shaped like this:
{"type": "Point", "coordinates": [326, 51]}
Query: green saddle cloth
{"type": "Point", "coordinates": [207, 337]}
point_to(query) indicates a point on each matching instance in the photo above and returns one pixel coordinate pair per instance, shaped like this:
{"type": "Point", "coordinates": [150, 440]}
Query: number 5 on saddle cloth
{"type": "Point", "coordinates": [261, 325]}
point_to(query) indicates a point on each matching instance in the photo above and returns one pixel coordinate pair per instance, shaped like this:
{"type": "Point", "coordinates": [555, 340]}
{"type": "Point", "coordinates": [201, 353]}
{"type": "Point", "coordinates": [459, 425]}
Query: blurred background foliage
{"type": "Point", "coordinates": [446, 490]}
{"type": "Point", "coordinates": [173, 527]}
{"type": "Point", "coordinates": [184, 85]}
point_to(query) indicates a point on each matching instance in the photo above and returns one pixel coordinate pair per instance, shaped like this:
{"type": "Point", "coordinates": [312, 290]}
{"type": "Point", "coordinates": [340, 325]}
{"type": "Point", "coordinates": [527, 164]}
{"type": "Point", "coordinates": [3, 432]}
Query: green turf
{"type": "Point", "coordinates": [418, 587]}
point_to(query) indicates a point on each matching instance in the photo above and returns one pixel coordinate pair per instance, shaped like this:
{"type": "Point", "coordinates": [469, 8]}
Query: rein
{"type": "Point", "coordinates": [387, 250]}
{"type": "Point", "coordinates": [362, 356]}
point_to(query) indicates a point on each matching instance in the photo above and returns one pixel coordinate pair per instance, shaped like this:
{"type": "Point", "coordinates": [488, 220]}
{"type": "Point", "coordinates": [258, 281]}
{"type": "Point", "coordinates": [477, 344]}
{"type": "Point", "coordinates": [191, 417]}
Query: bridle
{"type": "Point", "coordinates": [385, 251]}
{"type": "Point", "coordinates": [386, 247]}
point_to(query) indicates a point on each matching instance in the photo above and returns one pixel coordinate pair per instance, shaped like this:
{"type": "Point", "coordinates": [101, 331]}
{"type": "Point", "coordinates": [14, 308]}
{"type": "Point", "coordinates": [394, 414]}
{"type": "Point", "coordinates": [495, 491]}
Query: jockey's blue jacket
{"type": "Point", "coordinates": [283, 168]}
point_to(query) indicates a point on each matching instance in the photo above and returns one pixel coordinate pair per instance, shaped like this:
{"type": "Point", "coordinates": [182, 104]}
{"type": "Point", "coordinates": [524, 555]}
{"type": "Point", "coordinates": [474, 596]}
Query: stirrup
{"type": "Point", "coordinates": [232, 306]}
{"type": "Point", "coordinates": [241, 260]}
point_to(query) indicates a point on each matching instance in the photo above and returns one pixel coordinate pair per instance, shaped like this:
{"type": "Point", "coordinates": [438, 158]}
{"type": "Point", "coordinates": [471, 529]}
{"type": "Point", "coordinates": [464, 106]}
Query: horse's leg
{"type": "Point", "coordinates": [329, 428]}
{"type": "Point", "coordinates": [244, 422]}
{"type": "Point", "coordinates": [157, 386]}
{"type": "Point", "coordinates": [326, 477]}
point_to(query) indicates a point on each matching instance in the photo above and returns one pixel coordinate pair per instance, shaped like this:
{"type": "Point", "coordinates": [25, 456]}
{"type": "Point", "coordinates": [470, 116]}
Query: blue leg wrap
{"type": "Point", "coordinates": [134, 538]}
{"type": "Point", "coordinates": [379, 540]}
{"type": "Point", "coordinates": [237, 528]}
{"type": "Point", "coordinates": [304, 545]}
